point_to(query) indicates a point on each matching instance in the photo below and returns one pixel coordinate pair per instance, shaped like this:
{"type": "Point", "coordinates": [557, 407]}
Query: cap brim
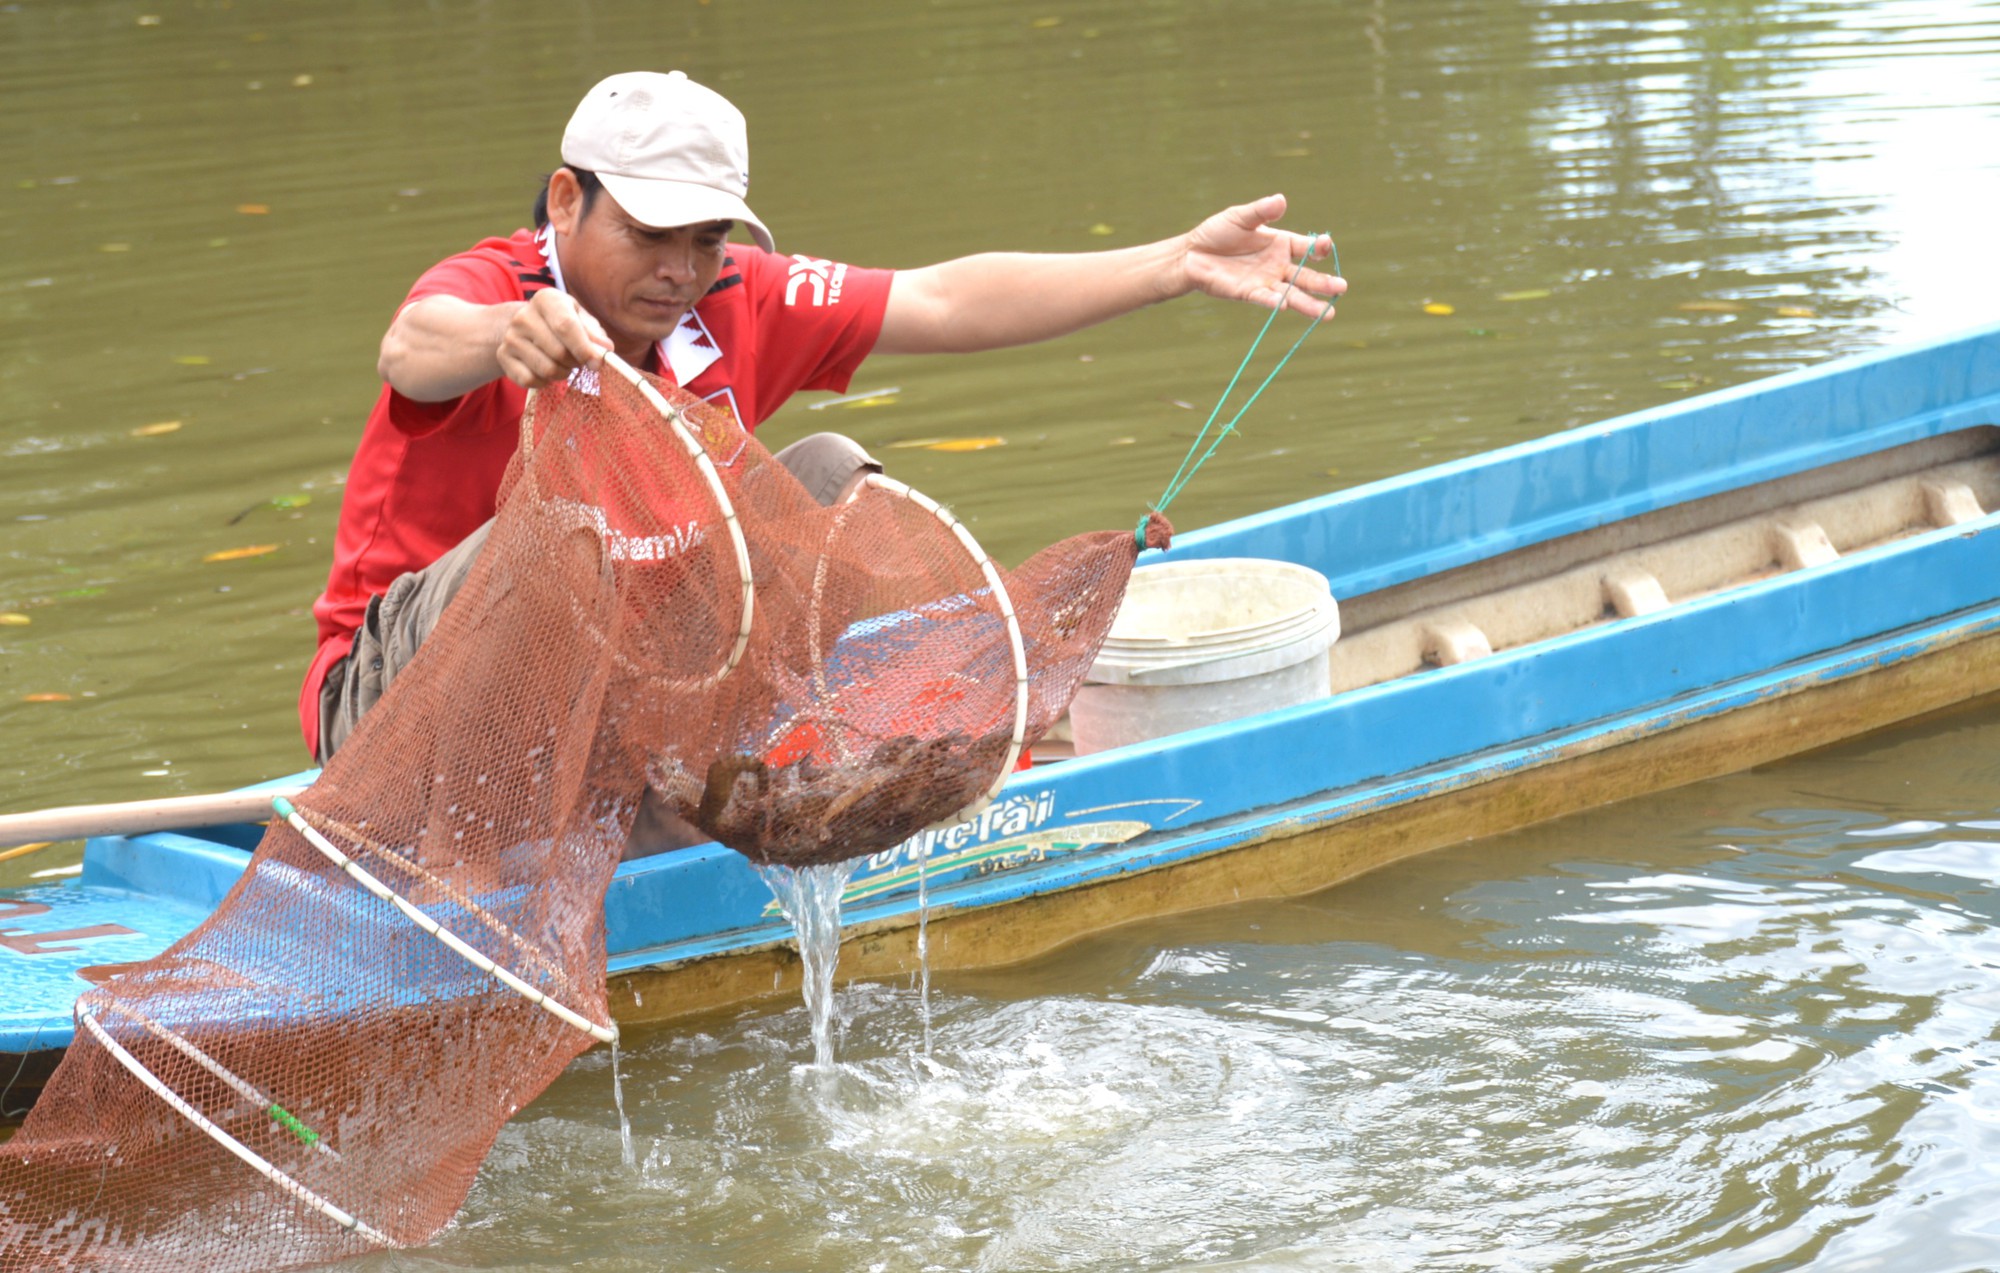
{"type": "Point", "coordinates": [666, 204]}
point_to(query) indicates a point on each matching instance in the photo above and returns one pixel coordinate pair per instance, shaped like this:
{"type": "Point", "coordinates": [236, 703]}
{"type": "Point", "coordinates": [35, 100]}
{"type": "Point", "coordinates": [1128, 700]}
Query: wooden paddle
{"type": "Point", "coordinates": [76, 822]}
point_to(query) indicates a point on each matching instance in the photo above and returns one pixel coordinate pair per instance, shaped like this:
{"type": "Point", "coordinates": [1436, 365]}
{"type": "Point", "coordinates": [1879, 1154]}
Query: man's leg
{"type": "Point", "coordinates": [396, 624]}
{"type": "Point", "coordinates": [828, 465]}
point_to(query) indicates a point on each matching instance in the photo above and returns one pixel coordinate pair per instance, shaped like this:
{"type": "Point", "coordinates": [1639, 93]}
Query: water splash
{"type": "Point", "coordinates": [810, 897]}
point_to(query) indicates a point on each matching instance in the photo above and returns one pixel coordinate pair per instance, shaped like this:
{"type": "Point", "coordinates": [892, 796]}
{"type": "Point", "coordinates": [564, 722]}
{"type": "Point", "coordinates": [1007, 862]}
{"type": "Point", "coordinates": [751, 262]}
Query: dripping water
{"type": "Point", "coordinates": [624, 1123]}
{"type": "Point", "coordinates": [923, 945]}
{"type": "Point", "coordinates": [810, 897]}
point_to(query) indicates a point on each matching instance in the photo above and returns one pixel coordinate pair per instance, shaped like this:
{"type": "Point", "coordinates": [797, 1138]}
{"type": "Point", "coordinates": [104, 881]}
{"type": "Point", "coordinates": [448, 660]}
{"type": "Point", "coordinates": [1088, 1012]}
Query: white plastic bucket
{"type": "Point", "coordinates": [1200, 642]}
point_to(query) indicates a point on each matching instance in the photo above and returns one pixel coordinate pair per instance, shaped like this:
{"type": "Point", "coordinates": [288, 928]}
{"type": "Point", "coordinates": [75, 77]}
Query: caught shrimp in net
{"type": "Point", "coordinates": [416, 948]}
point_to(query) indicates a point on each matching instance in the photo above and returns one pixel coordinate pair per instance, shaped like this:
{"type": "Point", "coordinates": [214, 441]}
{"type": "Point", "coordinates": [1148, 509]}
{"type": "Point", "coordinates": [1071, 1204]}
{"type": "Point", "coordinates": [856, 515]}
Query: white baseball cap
{"type": "Point", "coordinates": [671, 152]}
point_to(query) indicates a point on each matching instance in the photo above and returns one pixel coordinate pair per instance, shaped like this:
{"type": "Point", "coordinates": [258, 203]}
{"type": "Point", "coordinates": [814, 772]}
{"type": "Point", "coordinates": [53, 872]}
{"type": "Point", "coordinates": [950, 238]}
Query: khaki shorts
{"type": "Point", "coordinates": [398, 621]}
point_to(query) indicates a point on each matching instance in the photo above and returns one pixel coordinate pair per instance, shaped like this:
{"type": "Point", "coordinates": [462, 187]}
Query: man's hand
{"type": "Point", "coordinates": [549, 337]}
{"type": "Point", "coordinates": [441, 346]}
{"type": "Point", "coordinates": [1237, 255]}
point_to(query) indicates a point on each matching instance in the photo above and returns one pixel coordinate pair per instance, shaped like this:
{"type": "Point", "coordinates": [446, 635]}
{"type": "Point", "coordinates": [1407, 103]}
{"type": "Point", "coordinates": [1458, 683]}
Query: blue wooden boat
{"type": "Point", "coordinates": [1672, 595]}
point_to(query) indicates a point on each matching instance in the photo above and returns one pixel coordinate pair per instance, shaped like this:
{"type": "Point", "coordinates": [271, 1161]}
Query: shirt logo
{"type": "Point", "coordinates": [822, 279]}
{"type": "Point", "coordinates": [690, 349]}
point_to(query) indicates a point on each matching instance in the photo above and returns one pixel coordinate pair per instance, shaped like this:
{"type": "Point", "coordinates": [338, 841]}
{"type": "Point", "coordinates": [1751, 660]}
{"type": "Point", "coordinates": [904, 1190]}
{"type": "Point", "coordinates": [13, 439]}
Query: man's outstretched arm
{"type": "Point", "coordinates": [997, 299]}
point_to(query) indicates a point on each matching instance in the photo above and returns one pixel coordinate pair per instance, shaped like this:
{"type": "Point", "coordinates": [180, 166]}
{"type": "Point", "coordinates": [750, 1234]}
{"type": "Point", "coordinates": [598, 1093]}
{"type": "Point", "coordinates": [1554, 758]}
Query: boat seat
{"type": "Point", "coordinates": [1630, 591]}
{"type": "Point", "coordinates": [1951, 503]}
{"type": "Point", "coordinates": [1801, 544]}
{"type": "Point", "coordinates": [1449, 641]}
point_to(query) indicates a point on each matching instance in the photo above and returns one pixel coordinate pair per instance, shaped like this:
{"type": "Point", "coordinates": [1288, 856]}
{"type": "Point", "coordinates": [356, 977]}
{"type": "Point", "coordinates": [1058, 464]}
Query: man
{"type": "Point", "coordinates": [631, 253]}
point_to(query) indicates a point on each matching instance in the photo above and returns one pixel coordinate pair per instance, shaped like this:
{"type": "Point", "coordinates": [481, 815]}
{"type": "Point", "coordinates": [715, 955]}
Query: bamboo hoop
{"type": "Point", "coordinates": [458, 945]}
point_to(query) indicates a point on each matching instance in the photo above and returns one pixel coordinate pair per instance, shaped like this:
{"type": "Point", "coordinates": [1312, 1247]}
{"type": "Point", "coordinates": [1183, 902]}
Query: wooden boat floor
{"type": "Point", "coordinates": [1658, 559]}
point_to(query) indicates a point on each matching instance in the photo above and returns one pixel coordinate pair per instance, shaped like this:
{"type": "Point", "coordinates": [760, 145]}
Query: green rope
{"type": "Point", "coordinates": [291, 1123]}
{"type": "Point", "coordinates": [1191, 463]}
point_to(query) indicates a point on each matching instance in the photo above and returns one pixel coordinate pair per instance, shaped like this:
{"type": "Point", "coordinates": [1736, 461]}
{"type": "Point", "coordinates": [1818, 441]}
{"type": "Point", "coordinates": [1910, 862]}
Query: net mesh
{"type": "Point", "coordinates": [312, 1074]}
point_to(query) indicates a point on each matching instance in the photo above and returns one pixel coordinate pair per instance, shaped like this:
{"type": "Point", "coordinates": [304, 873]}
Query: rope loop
{"type": "Point", "coordinates": [1191, 462]}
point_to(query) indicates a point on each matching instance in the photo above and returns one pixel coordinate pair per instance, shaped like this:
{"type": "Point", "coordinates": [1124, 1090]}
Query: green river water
{"type": "Point", "coordinates": [1749, 1024]}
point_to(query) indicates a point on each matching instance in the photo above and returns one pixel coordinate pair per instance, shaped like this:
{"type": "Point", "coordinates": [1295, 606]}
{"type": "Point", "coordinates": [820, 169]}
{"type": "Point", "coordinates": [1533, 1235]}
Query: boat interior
{"type": "Point", "coordinates": [1646, 563]}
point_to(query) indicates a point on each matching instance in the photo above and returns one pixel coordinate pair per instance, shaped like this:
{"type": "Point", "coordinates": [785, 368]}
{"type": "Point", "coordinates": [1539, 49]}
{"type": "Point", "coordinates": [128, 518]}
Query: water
{"type": "Point", "coordinates": [624, 1123]}
{"type": "Point", "coordinates": [810, 896]}
{"type": "Point", "coordinates": [1744, 1025]}
{"type": "Point", "coordinates": [1711, 1029]}
{"type": "Point", "coordinates": [924, 945]}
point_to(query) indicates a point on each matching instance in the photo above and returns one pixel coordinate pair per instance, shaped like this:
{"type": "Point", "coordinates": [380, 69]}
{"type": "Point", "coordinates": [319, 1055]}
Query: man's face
{"type": "Point", "coordinates": [638, 280]}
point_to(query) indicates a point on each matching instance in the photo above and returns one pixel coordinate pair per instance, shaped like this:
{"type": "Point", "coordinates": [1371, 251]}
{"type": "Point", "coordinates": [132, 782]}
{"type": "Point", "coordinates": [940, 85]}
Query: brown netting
{"type": "Point", "coordinates": [359, 1065]}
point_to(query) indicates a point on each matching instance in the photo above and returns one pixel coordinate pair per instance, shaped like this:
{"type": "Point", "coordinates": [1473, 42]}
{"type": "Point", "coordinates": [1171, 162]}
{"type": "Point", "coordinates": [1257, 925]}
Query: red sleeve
{"type": "Point", "coordinates": [486, 275]}
{"type": "Point", "coordinates": [816, 321]}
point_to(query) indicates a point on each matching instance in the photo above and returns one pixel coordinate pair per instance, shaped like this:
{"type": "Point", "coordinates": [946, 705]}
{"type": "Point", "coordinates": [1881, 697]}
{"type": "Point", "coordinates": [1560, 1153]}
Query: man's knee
{"type": "Point", "coordinates": [828, 465]}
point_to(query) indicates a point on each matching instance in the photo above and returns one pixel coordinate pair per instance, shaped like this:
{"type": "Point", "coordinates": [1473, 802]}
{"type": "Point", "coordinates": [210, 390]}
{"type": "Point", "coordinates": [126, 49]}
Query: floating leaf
{"type": "Point", "coordinates": [299, 500]}
{"type": "Point", "coordinates": [1710, 307]}
{"type": "Point", "coordinates": [1333, 472]}
{"type": "Point", "coordinates": [1529, 294]}
{"type": "Point", "coordinates": [149, 19]}
{"type": "Point", "coordinates": [218, 243]}
{"type": "Point", "coordinates": [947, 444]}
{"type": "Point", "coordinates": [45, 698]}
{"type": "Point", "coordinates": [1043, 24]}
{"type": "Point", "coordinates": [254, 209]}
{"type": "Point", "coordinates": [114, 247]}
{"type": "Point", "coordinates": [1438, 309]}
{"type": "Point", "coordinates": [12, 620]}
{"type": "Point", "coordinates": [237, 554]}
{"type": "Point", "coordinates": [302, 81]}
{"type": "Point", "coordinates": [1101, 230]}
{"type": "Point", "coordinates": [192, 360]}
{"type": "Point", "coordinates": [1795, 311]}
{"type": "Point", "coordinates": [873, 397]}
{"type": "Point", "coordinates": [1124, 441]}
{"type": "Point", "coordinates": [155, 430]}
{"type": "Point", "coordinates": [1296, 152]}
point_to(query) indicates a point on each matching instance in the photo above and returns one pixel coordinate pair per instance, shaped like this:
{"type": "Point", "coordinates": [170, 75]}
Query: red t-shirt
{"type": "Point", "coordinates": [427, 474]}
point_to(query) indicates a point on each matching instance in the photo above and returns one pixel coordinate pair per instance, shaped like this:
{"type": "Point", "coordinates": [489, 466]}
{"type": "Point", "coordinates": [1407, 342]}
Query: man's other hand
{"type": "Point", "coordinates": [1238, 255]}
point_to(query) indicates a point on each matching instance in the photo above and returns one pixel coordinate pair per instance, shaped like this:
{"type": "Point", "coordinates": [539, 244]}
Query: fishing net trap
{"type": "Point", "coordinates": [416, 948]}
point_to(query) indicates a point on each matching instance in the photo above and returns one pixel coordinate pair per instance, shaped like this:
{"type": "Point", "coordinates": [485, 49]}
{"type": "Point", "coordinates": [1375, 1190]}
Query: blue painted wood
{"type": "Point", "coordinates": [1413, 738]}
{"type": "Point", "coordinates": [1407, 527]}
